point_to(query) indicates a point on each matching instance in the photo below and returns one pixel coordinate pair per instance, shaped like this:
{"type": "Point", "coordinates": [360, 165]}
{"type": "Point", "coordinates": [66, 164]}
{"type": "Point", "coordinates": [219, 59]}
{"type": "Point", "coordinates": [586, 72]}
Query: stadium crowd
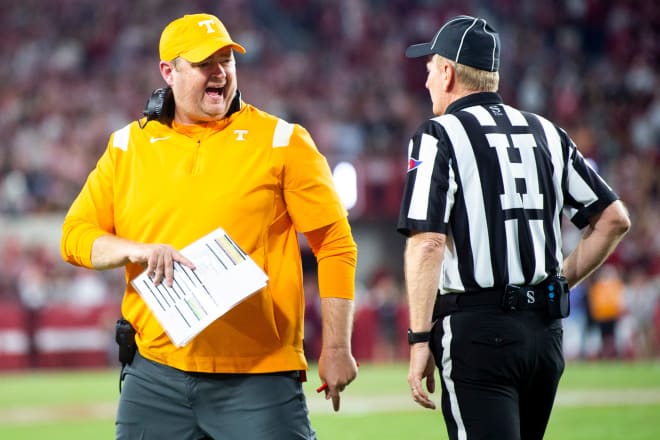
{"type": "Point", "coordinates": [75, 71]}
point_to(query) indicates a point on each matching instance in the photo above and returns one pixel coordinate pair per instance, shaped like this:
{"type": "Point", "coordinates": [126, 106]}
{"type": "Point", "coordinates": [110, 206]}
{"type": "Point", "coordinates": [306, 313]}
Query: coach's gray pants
{"type": "Point", "coordinates": [161, 403]}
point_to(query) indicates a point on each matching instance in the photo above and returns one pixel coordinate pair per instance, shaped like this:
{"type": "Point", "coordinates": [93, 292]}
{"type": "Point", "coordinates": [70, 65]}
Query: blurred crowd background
{"type": "Point", "coordinates": [73, 71]}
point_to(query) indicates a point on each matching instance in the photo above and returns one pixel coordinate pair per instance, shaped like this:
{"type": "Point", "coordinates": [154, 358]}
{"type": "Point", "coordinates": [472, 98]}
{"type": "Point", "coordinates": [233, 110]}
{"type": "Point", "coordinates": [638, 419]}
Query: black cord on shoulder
{"type": "Point", "coordinates": [159, 107]}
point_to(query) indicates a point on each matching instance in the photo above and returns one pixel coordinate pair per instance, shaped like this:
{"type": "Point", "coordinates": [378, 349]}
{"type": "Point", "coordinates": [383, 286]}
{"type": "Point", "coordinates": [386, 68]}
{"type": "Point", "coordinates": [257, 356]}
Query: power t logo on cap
{"type": "Point", "coordinates": [209, 25]}
{"type": "Point", "coordinates": [195, 37]}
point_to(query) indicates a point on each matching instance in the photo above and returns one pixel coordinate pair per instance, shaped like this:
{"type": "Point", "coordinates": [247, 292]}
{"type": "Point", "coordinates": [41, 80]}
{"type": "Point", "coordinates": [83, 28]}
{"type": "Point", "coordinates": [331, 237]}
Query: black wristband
{"type": "Point", "coordinates": [415, 337]}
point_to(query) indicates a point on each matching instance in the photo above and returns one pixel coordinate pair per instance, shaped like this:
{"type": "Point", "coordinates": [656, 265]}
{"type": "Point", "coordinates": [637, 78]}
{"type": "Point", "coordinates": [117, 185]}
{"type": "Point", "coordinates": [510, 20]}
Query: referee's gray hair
{"type": "Point", "coordinates": [473, 78]}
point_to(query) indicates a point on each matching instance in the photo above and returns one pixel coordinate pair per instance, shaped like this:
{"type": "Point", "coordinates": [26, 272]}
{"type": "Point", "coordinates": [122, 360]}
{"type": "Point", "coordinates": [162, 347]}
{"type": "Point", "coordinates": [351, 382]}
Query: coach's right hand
{"type": "Point", "coordinates": [159, 260]}
{"type": "Point", "coordinates": [110, 251]}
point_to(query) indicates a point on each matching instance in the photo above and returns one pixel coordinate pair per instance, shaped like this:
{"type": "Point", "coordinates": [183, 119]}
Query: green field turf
{"type": "Point", "coordinates": [603, 401]}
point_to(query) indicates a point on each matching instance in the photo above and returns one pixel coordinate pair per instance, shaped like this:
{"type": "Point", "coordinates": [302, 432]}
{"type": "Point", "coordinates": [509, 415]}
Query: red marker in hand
{"type": "Point", "coordinates": [325, 385]}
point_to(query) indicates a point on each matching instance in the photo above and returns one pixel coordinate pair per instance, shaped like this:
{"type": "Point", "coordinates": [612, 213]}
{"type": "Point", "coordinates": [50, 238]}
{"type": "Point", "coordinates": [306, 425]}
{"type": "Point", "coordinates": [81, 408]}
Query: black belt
{"type": "Point", "coordinates": [297, 375]}
{"type": "Point", "coordinates": [510, 298]}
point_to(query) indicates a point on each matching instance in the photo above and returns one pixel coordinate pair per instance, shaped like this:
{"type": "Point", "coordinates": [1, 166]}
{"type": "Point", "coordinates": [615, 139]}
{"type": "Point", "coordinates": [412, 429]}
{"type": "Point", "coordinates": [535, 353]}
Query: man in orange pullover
{"type": "Point", "coordinates": [214, 161]}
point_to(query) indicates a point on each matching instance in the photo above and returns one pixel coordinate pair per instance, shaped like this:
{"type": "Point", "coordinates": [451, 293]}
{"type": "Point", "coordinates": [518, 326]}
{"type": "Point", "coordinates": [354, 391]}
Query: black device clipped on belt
{"type": "Point", "coordinates": [125, 338]}
{"type": "Point", "coordinates": [557, 296]}
{"type": "Point", "coordinates": [160, 106]}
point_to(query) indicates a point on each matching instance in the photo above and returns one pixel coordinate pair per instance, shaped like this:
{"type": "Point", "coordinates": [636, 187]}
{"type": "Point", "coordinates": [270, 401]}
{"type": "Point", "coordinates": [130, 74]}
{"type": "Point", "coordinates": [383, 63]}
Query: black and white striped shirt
{"type": "Point", "coordinates": [495, 180]}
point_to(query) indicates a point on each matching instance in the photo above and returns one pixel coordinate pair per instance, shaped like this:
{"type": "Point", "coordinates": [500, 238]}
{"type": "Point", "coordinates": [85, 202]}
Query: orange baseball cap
{"type": "Point", "coordinates": [195, 37]}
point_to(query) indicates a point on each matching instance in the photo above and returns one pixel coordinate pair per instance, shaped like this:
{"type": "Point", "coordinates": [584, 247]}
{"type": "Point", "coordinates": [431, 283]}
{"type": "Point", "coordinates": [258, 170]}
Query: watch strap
{"type": "Point", "coordinates": [416, 337]}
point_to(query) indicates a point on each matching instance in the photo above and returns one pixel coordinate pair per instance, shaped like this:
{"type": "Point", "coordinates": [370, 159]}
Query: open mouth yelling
{"type": "Point", "coordinates": [215, 92]}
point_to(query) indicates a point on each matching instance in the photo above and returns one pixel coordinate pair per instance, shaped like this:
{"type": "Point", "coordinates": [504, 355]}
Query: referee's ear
{"type": "Point", "coordinates": [448, 75]}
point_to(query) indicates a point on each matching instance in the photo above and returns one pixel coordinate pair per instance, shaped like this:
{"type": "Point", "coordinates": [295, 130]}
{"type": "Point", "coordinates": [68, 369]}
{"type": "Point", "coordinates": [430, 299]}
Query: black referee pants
{"type": "Point", "coordinates": [499, 371]}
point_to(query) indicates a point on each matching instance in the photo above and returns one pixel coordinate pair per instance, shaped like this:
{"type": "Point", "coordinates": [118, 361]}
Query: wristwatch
{"type": "Point", "coordinates": [415, 337]}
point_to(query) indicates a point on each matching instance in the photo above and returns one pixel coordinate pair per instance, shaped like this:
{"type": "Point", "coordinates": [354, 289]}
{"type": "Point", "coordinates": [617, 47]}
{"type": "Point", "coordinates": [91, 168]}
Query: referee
{"type": "Point", "coordinates": [484, 192]}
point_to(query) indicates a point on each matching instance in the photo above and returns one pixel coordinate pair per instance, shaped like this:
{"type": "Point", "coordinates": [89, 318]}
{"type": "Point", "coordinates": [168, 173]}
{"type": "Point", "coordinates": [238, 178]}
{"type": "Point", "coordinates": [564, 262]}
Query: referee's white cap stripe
{"type": "Point", "coordinates": [460, 46]}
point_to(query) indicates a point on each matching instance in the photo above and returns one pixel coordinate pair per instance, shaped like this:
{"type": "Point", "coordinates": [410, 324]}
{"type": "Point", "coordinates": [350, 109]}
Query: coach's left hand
{"type": "Point", "coordinates": [337, 368]}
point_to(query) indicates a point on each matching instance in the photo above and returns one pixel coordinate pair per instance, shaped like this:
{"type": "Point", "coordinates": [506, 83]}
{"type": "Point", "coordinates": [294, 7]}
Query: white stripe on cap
{"type": "Point", "coordinates": [458, 53]}
{"type": "Point", "coordinates": [435, 39]}
{"type": "Point", "coordinates": [492, 64]}
{"type": "Point", "coordinates": [460, 46]}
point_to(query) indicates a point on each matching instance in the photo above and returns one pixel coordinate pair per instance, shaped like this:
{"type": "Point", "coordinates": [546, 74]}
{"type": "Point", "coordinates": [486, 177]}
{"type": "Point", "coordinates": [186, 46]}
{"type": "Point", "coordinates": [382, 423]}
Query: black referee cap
{"type": "Point", "coordinates": [465, 40]}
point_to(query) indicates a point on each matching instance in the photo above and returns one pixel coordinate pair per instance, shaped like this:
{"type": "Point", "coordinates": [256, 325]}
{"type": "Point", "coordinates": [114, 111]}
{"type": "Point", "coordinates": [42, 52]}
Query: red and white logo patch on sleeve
{"type": "Point", "coordinates": [413, 163]}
